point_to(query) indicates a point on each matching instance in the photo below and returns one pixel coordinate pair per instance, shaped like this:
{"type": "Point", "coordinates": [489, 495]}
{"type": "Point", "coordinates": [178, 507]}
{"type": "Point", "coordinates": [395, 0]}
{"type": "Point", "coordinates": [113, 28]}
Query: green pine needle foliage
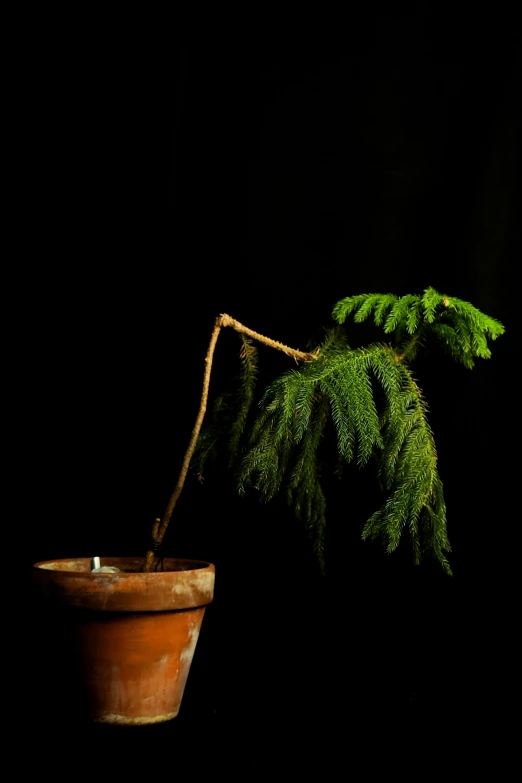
{"type": "Point", "coordinates": [376, 408]}
{"type": "Point", "coordinates": [247, 378]}
{"type": "Point", "coordinates": [462, 328]}
{"type": "Point", "coordinates": [229, 414]}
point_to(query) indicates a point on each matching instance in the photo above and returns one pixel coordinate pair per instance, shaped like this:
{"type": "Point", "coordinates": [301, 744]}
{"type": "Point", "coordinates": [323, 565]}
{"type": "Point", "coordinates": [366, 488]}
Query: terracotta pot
{"type": "Point", "coordinates": [129, 637]}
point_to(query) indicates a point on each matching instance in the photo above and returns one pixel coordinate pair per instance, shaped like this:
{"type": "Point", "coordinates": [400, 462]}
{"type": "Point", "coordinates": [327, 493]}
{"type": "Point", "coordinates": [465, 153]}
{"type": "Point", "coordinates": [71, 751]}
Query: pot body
{"type": "Point", "coordinates": [127, 639]}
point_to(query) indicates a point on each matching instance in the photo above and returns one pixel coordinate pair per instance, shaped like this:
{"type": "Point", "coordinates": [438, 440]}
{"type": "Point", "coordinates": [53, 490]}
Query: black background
{"type": "Point", "coordinates": [268, 181]}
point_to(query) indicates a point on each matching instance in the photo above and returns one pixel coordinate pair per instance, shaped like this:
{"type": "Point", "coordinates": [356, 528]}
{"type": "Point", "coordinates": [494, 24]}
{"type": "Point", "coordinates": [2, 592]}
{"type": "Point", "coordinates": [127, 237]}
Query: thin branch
{"type": "Point", "coordinates": [227, 320]}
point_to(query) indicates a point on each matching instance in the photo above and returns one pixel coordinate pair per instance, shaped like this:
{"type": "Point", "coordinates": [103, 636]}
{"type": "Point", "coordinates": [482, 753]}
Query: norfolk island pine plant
{"type": "Point", "coordinates": [367, 397]}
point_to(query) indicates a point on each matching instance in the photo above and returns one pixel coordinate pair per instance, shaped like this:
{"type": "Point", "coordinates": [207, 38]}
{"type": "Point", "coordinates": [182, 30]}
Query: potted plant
{"type": "Point", "coordinates": [135, 621]}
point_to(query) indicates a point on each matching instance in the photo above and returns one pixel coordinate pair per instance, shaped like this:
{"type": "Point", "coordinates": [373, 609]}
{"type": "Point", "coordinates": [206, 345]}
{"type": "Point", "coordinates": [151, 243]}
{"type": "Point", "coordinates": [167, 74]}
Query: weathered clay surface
{"type": "Point", "coordinates": [132, 634]}
{"type": "Point", "coordinates": [137, 665]}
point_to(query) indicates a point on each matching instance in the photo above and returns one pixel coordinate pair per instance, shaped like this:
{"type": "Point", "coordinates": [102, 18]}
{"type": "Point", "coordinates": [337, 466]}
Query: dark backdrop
{"type": "Point", "coordinates": [297, 175]}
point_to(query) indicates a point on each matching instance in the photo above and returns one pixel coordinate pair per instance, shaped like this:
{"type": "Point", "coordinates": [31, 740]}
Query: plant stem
{"type": "Point", "coordinates": [159, 527]}
{"type": "Point", "coordinates": [226, 320]}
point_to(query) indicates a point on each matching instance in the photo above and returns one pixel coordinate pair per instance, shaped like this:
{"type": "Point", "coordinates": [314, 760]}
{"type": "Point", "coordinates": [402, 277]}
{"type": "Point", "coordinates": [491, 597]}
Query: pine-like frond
{"type": "Point", "coordinates": [386, 302]}
{"type": "Point", "coordinates": [478, 325]}
{"type": "Point", "coordinates": [431, 300]}
{"type": "Point", "coordinates": [304, 492]}
{"type": "Point", "coordinates": [366, 307]}
{"type": "Point", "coordinates": [211, 436]}
{"type": "Point", "coordinates": [229, 414]}
{"type": "Point", "coordinates": [414, 316]}
{"type": "Point", "coordinates": [453, 343]}
{"type": "Point", "coordinates": [362, 306]}
{"type": "Point", "coordinates": [463, 329]}
{"type": "Point", "coordinates": [400, 315]}
{"type": "Point", "coordinates": [408, 469]}
{"type": "Point", "coordinates": [248, 377]}
{"type": "Point", "coordinates": [347, 306]}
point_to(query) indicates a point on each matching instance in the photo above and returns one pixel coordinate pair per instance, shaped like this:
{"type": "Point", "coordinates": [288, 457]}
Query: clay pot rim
{"type": "Point", "coordinates": [172, 565]}
{"type": "Point", "coordinates": [188, 584]}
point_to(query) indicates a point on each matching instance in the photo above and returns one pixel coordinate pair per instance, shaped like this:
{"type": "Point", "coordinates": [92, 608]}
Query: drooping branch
{"type": "Point", "coordinates": [227, 320]}
{"type": "Point", "coordinates": [159, 527]}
